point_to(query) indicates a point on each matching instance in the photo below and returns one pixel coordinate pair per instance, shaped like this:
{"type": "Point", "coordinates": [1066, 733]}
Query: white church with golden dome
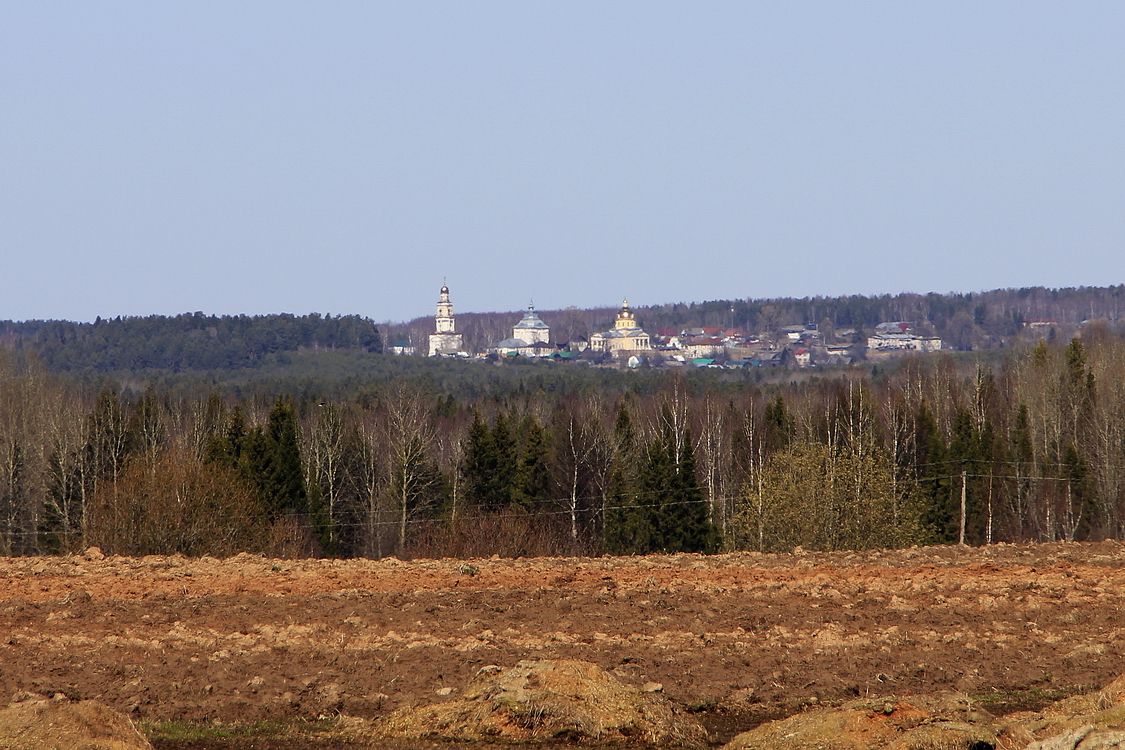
{"type": "Point", "coordinates": [626, 336]}
{"type": "Point", "coordinates": [445, 341]}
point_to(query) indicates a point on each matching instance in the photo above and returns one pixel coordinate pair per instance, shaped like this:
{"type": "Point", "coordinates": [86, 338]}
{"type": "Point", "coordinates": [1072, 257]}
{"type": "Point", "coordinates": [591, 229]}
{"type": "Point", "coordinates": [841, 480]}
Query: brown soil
{"type": "Point", "coordinates": [36, 723]}
{"type": "Point", "coordinates": [739, 638]}
{"type": "Point", "coordinates": [544, 700]}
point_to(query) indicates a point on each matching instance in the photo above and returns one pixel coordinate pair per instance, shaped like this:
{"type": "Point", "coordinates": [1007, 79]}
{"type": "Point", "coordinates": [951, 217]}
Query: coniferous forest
{"type": "Point", "coordinates": [465, 459]}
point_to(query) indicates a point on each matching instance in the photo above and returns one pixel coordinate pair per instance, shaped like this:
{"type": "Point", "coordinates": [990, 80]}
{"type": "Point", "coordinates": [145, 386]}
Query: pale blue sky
{"type": "Point", "coordinates": [159, 157]}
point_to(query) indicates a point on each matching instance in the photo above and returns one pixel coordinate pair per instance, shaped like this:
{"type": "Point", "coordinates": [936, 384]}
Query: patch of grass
{"type": "Point", "coordinates": [190, 731]}
{"type": "Point", "coordinates": [1025, 699]}
{"type": "Point", "coordinates": [703, 705]}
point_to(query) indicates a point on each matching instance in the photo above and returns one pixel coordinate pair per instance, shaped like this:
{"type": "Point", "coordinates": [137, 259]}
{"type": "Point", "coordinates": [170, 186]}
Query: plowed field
{"type": "Point", "coordinates": [736, 637]}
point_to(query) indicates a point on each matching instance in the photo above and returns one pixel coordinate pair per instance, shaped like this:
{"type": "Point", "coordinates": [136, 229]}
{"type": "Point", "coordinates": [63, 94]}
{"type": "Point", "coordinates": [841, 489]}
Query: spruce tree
{"type": "Point", "coordinates": [933, 474]}
{"type": "Point", "coordinates": [254, 465]}
{"type": "Point", "coordinates": [479, 464]}
{"type": "Point", "coordinates": [626, 526]}
{"type": "Point", "coordinates": [225, 447]}
{"type": "Point", "coordinates": [689, 529]}
{"type": "Point", "coordinates": [778, 425]}
{"type": "Point", "coordinates": [503, 490]}
{"type": "Point", "coordinates": [1081, 500]}
{"type": "Point", "coordinates": [678, 513]}
{"type": "Point", "coordinates": [287, 479]}
{"type": "Point", "coordinates": [271, 460]}
{"type": "Point", "coordinates": [532, 481]}
{"type": "Point", "coordinates": [1022, 455]}
{"type": "Point", "coordinates": [657, 478]}
{"type": "Point", "coordinates": [967, 452]}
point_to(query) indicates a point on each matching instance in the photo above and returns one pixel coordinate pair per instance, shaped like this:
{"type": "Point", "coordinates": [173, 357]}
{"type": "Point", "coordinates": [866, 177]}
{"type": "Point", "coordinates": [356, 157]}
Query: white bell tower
{"type": "Point", "coordinates": [443, 321]}
{"type": "Point", "coordinates": [444, 339]}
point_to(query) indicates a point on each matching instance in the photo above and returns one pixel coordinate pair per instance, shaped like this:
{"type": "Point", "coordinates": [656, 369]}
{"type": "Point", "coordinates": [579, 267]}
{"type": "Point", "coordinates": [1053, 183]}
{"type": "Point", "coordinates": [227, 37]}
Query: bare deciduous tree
{"type": "Point", "coordinates": [409, 437]}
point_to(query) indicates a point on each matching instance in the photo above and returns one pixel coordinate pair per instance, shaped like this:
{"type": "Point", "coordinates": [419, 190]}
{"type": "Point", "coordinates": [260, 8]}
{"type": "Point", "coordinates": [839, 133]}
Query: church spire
{"type": "Point", "coordinates": [444, 339]}
{"type": "Point", "coordinates": [443, 320]}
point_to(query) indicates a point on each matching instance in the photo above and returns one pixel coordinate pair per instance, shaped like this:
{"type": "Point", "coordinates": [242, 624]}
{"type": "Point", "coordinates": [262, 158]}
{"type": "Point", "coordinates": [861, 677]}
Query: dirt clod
{"type": "Point", "coordinates": [43, 724]}
{"type": "Point", "coordinates": [542, 700]}
{"type": "Point", "coordinates": [945, 721]}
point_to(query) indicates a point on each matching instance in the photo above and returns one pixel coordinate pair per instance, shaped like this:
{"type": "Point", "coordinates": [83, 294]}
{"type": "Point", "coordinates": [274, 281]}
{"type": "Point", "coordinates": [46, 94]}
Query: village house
{"type": "Point", "coordinates": [401, 346]}
{"type": "Point", "coordinates": [695, 347]}
{"type": "Point", "coordinates": [838, 354]}
{"type": "Point", "coordinates": [666, 338]}
{"type": "Point", "coordinates": [892, 327]}
{"type": "Point", "coordinates": [897, 342]}
{"type": "Point", "coordinates": [1040, 323]}
{"type": "Point", "coordinates": [793, 333]}
{"type": "Point", "coordinates": [800, 333]}
{"type": "Point", "coordinates": [898, 336]}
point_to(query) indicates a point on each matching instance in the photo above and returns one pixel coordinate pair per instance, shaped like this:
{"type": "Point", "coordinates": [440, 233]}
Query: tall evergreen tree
{"type": "Point", "coordinates": [476, 461]}
{"type": "Point", "coordinates": [532, 481]}
{"type": "Point", "coordinates": [687, 528]}
{"type": "Point", "coordinates": [670, 490]}
{"type": "Point", "coordinates": [778, 425]}
{"type": "Point", "coordinates": [933, 473]}
{"type": "Point", "coordinates": [655, 486]}
{"type": "Point", "coordinates": [489, 464]}
{"type": "Point", "coordinates": [1080, 502]}
{"type": "Point", "coordinates": [288, 481]}
{"type": "Point", "coordinates": [1022, 458]}
{"type": "Point", "coordinates": [224, 446]}
{"type": "Point", "coordinates": [969, 452]}
{"type": "Point", "coordinates": [506, 459]}
{"type": "Point", "coordinates": [271, 460]}
{"type": "Point", "coordinates": [627, 526]}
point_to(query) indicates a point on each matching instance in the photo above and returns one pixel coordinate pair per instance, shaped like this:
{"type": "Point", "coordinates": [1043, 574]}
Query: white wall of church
{"type": "Point", "coordinates": [532, 335]}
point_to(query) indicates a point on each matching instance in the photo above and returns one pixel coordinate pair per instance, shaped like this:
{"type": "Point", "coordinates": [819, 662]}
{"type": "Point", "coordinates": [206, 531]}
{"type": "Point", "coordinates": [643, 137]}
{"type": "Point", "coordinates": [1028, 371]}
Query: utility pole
{"type": "Point", "coordinates": [963, 473]}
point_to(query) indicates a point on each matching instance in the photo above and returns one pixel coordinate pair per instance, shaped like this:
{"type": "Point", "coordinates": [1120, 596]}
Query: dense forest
{"type": "Point", "coordinates": [192, 341]}
{"type": "Point", "coordinates": [455, 458]}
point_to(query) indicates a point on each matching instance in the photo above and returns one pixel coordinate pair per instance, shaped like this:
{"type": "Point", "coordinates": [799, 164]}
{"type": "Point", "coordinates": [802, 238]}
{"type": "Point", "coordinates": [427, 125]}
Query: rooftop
{"type": "Point", "coordinates": [531, 320]}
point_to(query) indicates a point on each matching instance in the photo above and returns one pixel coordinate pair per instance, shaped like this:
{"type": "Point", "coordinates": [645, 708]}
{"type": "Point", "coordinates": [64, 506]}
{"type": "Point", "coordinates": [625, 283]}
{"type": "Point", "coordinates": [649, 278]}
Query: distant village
{"type": "Point", "coordinates": [626, 343]}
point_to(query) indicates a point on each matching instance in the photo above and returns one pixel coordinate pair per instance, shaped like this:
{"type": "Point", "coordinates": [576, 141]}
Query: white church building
{"type": "Point", "coordinates": [531, 337]}
{"type": "Point", "coordinates": [445, 341]}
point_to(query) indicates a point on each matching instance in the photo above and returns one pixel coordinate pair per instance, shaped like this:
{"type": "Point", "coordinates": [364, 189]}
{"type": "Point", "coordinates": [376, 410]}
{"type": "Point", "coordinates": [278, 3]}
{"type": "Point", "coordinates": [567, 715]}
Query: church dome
{"type": "Point", "coordinates": [531, 320]}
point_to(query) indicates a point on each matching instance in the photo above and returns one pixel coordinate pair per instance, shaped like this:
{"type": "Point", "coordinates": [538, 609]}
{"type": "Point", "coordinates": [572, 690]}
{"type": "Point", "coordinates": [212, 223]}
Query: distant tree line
{"type": "Point", "coordinates": [977, 320]}
{"type": "Point", "coordinates": [1034, 440]}
{"type": "Point", "coordinates": [192, 341]}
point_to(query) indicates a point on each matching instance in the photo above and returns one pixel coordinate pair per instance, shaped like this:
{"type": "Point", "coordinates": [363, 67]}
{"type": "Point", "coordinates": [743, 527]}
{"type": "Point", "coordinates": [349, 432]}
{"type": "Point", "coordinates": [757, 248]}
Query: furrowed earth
{"type": "Point", "coordinates": [256, 652]}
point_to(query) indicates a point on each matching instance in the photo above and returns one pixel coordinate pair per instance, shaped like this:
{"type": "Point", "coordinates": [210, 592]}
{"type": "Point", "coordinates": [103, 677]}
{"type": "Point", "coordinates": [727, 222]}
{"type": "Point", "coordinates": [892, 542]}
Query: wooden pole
{"type": "Point", "coordinates": [963, 507]}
